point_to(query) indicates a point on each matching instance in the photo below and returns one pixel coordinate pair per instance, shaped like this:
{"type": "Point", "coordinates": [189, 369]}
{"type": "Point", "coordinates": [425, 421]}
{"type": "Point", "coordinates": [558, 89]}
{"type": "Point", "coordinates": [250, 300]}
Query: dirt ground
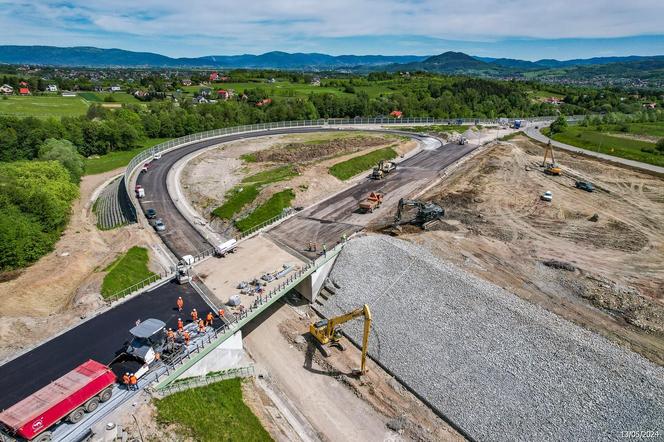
{"type": "Point", "coordinates": [63, 286]}
{"type": "Point", "coordinates": [337, 405]}
{"type": "Point", "coordinates": [604, 273]}
{"type": "Point", "coordinates": [207, 177]}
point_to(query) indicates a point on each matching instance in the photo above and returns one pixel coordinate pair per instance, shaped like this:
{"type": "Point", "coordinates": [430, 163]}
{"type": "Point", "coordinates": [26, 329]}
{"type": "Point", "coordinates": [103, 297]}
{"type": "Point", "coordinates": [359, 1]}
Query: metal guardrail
{"type": "Point", "coordinates": [182, 141]}
{"type": "Point", "coordinates": [157, 277]}
{"type": "Point", "coordinates": [221, 334]}
{"type": "Point", "coordinates": [201, 381]}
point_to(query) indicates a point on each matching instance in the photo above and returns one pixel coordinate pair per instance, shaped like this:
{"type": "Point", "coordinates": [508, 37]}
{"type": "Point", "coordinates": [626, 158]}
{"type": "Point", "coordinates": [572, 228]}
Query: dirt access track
{"type": "Point", "coordinates": [604, 273]}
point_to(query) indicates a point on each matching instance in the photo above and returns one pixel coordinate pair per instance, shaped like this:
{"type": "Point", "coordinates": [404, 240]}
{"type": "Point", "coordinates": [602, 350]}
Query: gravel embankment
{"type": "Point", "coordinates": [498, 367]}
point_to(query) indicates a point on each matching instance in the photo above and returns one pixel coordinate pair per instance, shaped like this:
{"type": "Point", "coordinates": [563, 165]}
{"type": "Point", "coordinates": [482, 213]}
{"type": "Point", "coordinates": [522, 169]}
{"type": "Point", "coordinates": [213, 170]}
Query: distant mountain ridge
{"type": "Point", "coordinates": [95, 57]}
{"type": "Point", "coordinates": [449, 62]}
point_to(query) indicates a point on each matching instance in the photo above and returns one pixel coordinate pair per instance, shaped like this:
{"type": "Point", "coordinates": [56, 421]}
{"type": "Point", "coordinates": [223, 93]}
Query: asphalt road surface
{"type": "Point", "coordinates": [180, 236]}
{"type": "Point", "coordinates": [101, 338]}
{"type": "Point", "coordinates": [327, 221]}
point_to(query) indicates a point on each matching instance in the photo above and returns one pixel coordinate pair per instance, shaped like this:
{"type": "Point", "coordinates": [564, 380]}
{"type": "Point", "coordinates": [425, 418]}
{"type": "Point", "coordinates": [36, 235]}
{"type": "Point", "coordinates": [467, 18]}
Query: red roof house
{"type": "Point", "coordinates": [214, 76]}
{"type": "Point", "coordinates": [223, 94]}
{"type": "Point", "coordinates": [396, 114]}
{"type": "Point", "coordinates": [24, 91]}
{"type": "Point", "coordinates": [264, 102]}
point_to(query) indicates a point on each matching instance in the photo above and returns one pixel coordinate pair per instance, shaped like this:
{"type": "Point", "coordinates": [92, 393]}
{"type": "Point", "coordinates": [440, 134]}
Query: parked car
{"type": "Point", "coordinates": [584, 185]}
{"type": "Point", "coordinates": [157, 156]}
{"type": "Point", "coordinates": [159, 225]}
{"type": "Point", "coordinates": [150, 213]}
{"type": "Point", "coordinates": [547, 196]}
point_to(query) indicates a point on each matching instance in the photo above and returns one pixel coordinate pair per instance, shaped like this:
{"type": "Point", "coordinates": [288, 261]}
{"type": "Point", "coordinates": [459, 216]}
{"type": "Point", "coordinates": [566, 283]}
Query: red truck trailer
{"type": "Point", "coordinates": [69, 397]}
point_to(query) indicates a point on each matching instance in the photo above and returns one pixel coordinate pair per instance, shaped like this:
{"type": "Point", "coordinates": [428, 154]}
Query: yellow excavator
{"type": "Point", "coordinates": [326, 332]}
{"type": "Point", "coordinates": [552, 167]}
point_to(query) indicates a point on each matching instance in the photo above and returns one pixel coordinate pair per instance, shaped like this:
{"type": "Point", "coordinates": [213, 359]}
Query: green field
{"type": "Point", "coordinates": [235, 199]}
{"type": "Point", "coordinates": [277, 89]}
{"type": "Point", "coordinates": [99, 97]}
{"type": "Point", "coordinates": [115, 160]}
{"type": "Point", "coordinates": [652, 129]}
{"type": "Point", "coordinates": [271, 175]}
{"type": "Point", "coordinates": [352, 167]}
{"type": "Point", "coordinates": [125, 271]}
{"type": "Point", "coordinates": [42, 106]}
{"type": "Point", "coordinates": [214, 413]}
{"type": "Point", "coordinates": [591, 139]}
{"type": "Point", "coordinates": [268, 210]}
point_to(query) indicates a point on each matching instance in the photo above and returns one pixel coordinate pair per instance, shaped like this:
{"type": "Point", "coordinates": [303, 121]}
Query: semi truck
{"type": "Point", "coordinates": [68, 398]}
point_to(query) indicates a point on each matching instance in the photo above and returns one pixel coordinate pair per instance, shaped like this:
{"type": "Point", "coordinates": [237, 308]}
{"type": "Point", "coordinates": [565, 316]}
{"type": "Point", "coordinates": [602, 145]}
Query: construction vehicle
{"type": "Point", "coordinates": [550, 168]}
{"type": "Point", "coordinates": [149, 344]}
{"type": "Point", "coordinates": [68, 398]}
{"type": "Point", "coordinates": [327, 332]}
{"type": "Point", "coordinates": [372, 202]}
{"type": "Point", "coordinates": [427, 213]}
{"type": "Point", "coordinates": [183, 269]}
{"type": "Point", "coordinates": [225, 247]}
{"type": "Point", "coordinates": [463, 140]}
{"type": "Point", "coordinates": [516, 124]}
{"type": "Point", "coordinates": [382, 169]}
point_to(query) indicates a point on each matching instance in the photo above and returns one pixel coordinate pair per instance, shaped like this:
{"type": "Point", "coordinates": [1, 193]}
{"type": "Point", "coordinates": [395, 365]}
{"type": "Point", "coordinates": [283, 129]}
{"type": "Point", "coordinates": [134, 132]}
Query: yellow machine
{"type": "Point", "coordinates": [551, 168]}
{"type": "Point", "coordinates": [326, 332]}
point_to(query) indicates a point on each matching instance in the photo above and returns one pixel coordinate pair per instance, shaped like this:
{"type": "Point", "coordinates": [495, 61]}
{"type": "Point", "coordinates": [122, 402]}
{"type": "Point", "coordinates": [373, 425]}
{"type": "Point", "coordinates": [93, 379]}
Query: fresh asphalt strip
{"type": "Point", "coordinates": [100, 338]}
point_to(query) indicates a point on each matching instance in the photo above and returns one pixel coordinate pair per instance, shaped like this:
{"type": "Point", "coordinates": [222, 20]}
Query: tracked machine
{"type": "Point", "coordinates": [550, 168]}
{"type": "Point", "coordinates": [427, 214]}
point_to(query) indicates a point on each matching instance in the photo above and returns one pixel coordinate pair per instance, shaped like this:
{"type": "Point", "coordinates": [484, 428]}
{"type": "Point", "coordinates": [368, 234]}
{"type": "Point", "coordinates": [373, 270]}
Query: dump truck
{"type": "Point", "coordinates": [382, 169]}
{"type": "Point", "coordinates": [68, 398]}
{"type": "Point", "coordinates": [372, 202]}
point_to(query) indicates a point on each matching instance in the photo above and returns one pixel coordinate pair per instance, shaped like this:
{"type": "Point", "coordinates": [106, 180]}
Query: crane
{"type": "Point", "coordinates": [551, 168]}
{"type": "Point", "coordinates": [326, 331]}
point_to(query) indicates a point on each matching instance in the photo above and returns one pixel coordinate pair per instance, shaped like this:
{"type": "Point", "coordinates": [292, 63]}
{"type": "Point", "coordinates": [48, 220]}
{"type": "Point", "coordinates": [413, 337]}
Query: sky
{"type": "Point", "coordinates": [531, 30]}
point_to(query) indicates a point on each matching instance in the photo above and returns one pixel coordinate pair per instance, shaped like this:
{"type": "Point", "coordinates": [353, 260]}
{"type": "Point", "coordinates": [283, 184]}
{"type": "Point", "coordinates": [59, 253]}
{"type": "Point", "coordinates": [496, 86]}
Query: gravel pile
{"type": "Point", "coordinates": [498, 367]}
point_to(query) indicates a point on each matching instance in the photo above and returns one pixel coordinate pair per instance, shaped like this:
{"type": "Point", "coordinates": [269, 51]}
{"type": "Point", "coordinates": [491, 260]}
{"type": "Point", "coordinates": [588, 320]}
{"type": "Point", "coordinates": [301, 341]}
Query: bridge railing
{"type": "Point", "coordinates": [137, 287]}
{"type": "Point", "coordinates": [201, 381]}
{"type": "Point", "coordinates": [261, 302]}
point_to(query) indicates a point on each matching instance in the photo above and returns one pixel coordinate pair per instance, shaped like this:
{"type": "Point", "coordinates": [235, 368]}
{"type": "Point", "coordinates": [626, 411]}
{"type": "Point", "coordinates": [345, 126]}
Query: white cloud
{"type": "Point", "coordinates": [262, 24]}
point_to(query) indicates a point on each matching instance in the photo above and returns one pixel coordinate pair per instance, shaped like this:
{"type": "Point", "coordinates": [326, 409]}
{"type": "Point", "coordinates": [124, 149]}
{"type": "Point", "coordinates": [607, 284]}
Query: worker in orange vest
{"type": "Point", "coordinates": [194, 315]}
{"type": "Point", "coordinates": [201, 326]}
{"type": "Point", "coordinates": [133, 381]}
{"type": "Point", "coordinates": [221, 313]}
{"type": "Point", "coordinates": [209, 319]}
{"type": "Point", "coordinates": [180, 325]}
{"type": "Point", "coordinates": [186, 338]}
{"type": "Point", "coordinates": [180, 303]}
{"type": "Point", "coordinates": [170, 335]}
{"type": "Point", "coordinates": [125, 379]}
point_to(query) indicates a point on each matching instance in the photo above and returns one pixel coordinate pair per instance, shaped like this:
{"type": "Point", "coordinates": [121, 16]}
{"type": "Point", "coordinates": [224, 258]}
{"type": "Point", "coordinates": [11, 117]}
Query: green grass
{"type": "Point", "coordinates": [117, 159]}
{"type": "Point", "coordinates": [214, 413]}
{"type": "Point", "coordinates": [235, 199]}
{"type": "Point", "coordinates": [271, 175]}
{"type": "Point", "coordinates": [271, 208]}
{"type": "Point", "coordinates": [652, 129]}
{"type": "Point", "coordinates": [118, 97]}
{"type": "Point", "coordinates": [43, 106]}
{"type": "Point", "coordinates": [352, 167]}
{"type": "Point", "coordinates": [126, 271]}
{"type": "Point", "coordinates": [589, 138]}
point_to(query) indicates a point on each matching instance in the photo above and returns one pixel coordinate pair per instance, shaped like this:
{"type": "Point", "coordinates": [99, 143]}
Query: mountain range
{"type": "Point", "coordinates": [446, 62]}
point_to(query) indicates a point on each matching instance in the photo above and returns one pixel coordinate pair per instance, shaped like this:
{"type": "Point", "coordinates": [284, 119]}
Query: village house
{"type": "Point", "coordinates": [52, 88]}
{"type": "Point", "coordinates": [186, 82]}
{"type": "Point", "coordinates": [214, 76]}
{"type": "Point", "coordinates": [264, 102]}
{"type": "Point", "coordinates": [114, 88]}
{"type": "Point", "coordinates": [553, 100]}
{"type": "Point", "coordinates": [223, 94]}
{"type": "Point", "coordinates": [396, 114]}
{"type": "Point", "coordinates": [6, 89]}
{"type": "Point", "coordinates": [315, 81]}
{"type": "Point", "coordinates": [650, 105]}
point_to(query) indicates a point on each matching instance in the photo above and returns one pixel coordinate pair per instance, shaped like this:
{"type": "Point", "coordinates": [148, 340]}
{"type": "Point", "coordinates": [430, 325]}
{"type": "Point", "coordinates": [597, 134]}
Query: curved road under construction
{"type": "Point", "coordinates": [104, 335]}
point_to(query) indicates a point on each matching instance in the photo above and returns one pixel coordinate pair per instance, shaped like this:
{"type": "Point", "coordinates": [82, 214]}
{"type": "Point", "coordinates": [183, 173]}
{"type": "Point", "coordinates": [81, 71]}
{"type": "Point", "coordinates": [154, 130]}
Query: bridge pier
{"type": "Point", "coordinates": [311, 285]}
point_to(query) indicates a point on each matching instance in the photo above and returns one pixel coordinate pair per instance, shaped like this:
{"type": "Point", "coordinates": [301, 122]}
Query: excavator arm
{"type": "Point", "coordinates": [325, 331]}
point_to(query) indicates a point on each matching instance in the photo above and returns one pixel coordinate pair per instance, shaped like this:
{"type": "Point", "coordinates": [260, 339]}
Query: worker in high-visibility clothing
{"type": "Point", "coordinates": [125, 379]}
{"type": "Point", "coordinates": [209, 319]}
{"type": "Point", "coordinates": [133, 381]}
{"type": "Point", "coordinates": [222, 313]}
{"type": "Point", "coordinates": [180, 325]}
{"type": "Point", "coordinates": [194, 315]}
{"type": "Point", "coordinates": [201, 326]}
{"type": "Point", "coordinates": [180, 303]}
{"type": "Point", "coordinates": [186, 337]}
{"type": "Point", "coordinates": [170, 334]}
